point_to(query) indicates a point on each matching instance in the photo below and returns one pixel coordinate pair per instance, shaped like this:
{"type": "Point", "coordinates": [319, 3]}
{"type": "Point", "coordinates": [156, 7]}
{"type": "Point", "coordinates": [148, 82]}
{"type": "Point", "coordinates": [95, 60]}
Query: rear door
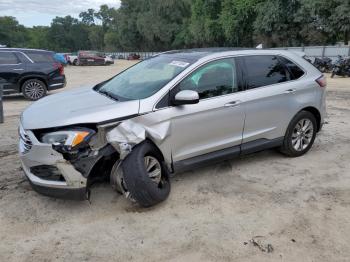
{"type": "Point", "coordinates": [11, 69]}
{"type": "Point", "coordinates": [271, 97]}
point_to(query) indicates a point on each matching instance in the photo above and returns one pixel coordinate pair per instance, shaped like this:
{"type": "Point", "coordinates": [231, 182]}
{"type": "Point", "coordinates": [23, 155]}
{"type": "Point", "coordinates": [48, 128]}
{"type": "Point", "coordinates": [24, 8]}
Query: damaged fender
{"type": "Point", "coordinates": [131, 133]}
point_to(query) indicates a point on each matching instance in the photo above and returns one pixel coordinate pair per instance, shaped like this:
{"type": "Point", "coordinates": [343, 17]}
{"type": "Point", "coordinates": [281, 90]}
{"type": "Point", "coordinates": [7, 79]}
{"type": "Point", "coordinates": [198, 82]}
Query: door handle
{"type": "Point", "coordinates": [18, 69]}
{"type": "Point", "coordinates": [233, 103]}
{"type": "Point", "coordinates": [290, 91]}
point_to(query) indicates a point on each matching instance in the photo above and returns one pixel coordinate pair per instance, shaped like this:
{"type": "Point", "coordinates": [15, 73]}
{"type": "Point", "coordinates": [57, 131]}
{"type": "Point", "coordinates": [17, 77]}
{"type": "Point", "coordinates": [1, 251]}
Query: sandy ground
{"type": "Point", "coordinates": [298, 209]}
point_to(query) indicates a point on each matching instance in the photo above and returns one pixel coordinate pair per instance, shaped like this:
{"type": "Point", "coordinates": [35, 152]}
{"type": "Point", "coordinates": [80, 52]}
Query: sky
{"type": "Point", "coordinates": [41, 12]}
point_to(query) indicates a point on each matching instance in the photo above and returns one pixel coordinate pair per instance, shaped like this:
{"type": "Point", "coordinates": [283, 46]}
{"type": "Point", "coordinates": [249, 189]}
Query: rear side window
{"type": "Point", "coordinates": [264, 70]}
{"type": "Point", "coordinates": [41, 57]}
{"type": "Point", "coordinates": [296, 71]}
{"type": "Point", "coordinates": [8, 58]}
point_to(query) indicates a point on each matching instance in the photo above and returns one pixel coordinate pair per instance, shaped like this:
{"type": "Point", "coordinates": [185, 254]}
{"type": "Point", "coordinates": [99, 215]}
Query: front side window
{"type": "Point", "coordinates": [8, 58]}
{"type": "Point", "coordinates": [144, 79]}
{"type": "Point", "coordinates": [264, 70]}
{"type": "Point", "coordinates": [213, 79]}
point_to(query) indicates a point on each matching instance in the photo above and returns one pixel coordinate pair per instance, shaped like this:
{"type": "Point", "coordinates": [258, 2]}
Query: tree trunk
{"type": "Point", "coordinates": [346, 37]}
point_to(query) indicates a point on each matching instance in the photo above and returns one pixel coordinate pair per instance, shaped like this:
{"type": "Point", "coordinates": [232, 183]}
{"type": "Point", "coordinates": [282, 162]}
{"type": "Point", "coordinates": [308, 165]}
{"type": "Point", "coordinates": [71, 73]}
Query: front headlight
{"type": "Point", "coordinates": [70, 138]}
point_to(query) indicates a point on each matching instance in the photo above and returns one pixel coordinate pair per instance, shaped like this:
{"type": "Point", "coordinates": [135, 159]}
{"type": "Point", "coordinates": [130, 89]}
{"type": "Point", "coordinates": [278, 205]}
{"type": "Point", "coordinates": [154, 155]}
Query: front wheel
{"type": "Point", "coordinates": [34, 89]}
{"type": "Point", "coordinates": [145, 175]}
{"type": "Point", "coordinates": [333, 74]}
{"type": "Point", "coordinates": [300, 135]}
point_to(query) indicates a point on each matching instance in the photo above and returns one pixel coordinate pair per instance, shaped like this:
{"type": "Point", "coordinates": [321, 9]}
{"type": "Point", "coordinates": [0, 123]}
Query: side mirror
{"type": "Point", "coordinates": [186, 97]}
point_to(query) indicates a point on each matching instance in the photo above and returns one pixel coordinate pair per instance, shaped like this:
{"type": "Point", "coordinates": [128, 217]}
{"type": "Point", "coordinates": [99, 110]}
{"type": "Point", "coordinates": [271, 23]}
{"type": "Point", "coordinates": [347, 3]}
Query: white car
{"type": "Point", "coordinates": [109, 60]}
{"type": "Point", "coordinates": [72, 59]}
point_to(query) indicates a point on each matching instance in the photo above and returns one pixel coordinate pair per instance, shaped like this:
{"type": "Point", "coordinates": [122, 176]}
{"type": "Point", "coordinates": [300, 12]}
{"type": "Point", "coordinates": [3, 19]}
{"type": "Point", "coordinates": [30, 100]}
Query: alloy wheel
{"type": "Point", "coordinates": [302, 134]}
{"type": "Point", "coordinates": [153, 169]}
{"type": "Point", "coordinates": [34, 90]}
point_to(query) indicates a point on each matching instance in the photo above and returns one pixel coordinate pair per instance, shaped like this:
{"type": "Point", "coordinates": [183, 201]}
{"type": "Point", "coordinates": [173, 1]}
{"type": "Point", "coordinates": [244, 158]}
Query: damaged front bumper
{"type": "Point", "coordinates": [48, 172]}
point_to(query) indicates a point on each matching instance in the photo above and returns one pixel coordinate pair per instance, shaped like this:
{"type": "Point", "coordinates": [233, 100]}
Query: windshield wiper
{"type": "Point", "coordinates": [108, 94]}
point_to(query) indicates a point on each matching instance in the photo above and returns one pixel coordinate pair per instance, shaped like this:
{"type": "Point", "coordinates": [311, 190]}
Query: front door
{"type": "Point", "coordinates": [216, 122]}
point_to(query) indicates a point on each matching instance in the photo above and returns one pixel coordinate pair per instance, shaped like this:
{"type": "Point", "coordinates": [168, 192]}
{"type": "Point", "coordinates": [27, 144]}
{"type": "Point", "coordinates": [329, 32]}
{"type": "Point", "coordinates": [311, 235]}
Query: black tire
{"type": "Point", "coordinates": [34, 89]}
{"type": "Point", "coordinates": [75, 62]}
{"type": "Point", "coordinates": [333, 74]}
{"type": "Point", "coordinates": [287, 147]}
{"type": "Point", "coordinates": [145, 191]}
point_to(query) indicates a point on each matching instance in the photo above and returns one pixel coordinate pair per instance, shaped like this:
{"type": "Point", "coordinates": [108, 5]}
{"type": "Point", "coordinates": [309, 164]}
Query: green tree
{"type": "Point", "coordinates": [162, 22]}
{"type": "Point", "coordinates": [38, 37]}
{"type": "Point", "coordinates": [88, 17]}
{"type": "Point", "coordinates": [237, 19]}
{"type": "Point", "coordinates": [96, 37]}
{"type": "Point", "coordinates": [12, 33]}
{"type": "Point", "coordinates": [205, 26]}
{"type": "Point", "coordinates": [68, 34]}
{"type": "Point", "coordinates": [275, 23]}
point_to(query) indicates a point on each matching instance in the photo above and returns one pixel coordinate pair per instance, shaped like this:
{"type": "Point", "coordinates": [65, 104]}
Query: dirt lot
{"type": "Point", "coordinates": [298, 209]}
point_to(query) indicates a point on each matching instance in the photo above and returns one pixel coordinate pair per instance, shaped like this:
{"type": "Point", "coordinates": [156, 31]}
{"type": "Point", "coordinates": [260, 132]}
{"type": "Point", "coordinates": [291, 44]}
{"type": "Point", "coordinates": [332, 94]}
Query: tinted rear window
{"type": "Point", "coordinates": [263, 70]}
{"type": "Point", "coordinates": [295, 70]}
{"type": "Point", "coordinates": [41, 57]}
{"type": "Point", "coordinates": [8, 58]}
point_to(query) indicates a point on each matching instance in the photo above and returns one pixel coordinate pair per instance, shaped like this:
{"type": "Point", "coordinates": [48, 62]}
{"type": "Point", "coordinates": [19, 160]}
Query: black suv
{"type": "Point", "coordinates": [31, 72]}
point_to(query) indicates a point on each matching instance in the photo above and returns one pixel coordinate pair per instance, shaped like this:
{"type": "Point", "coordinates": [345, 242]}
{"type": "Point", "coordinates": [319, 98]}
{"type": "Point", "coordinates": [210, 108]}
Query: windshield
{"type": "Point", "coordinates": [144, 79]}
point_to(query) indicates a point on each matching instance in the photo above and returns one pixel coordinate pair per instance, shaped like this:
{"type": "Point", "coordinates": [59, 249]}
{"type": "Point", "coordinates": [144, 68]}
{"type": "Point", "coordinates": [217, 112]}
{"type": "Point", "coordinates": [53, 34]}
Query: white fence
{"type": "Point", "coordinates": [311, 51]}
{"type": "Point", "coordinates": [124, 55]}
{"type": "Point", "coordinates": [321, 51]}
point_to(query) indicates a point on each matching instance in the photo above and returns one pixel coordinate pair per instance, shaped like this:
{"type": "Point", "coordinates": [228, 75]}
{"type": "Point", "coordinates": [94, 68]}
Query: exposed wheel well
{"type": "Point", "coordinates": [30, 78]}
{"type": "Point", "coordinates": [155, 146]}
{"type": "Point", "coordinates": [316, 113]}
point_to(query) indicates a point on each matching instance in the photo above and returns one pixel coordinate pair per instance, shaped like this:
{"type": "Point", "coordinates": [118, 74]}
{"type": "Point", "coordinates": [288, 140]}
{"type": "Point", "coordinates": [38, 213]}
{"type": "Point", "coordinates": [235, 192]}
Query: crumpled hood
{"type": "Point", "coordinates": [79, 106]}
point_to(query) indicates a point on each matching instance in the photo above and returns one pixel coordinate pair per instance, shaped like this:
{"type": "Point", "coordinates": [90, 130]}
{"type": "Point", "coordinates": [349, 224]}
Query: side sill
{"type": "Point", "coordinates": [225, 154]}
{"type": "Point", "coordinates": [206, 159]}
{"type": "Point", "coordinates": [260, 145]}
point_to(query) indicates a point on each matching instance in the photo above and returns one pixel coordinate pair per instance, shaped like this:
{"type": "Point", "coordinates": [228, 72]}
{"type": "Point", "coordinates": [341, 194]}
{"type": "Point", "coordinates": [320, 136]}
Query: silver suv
{"type": "Point", "coordinates": [173, 112]}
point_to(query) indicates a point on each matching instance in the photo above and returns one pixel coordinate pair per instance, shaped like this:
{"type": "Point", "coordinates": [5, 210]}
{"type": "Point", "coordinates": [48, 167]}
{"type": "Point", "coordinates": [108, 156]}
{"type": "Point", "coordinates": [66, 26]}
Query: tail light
{"type": "Point", "coordinates": [322, 81]}
{"type": "Point", "coordinates": [60, 67]}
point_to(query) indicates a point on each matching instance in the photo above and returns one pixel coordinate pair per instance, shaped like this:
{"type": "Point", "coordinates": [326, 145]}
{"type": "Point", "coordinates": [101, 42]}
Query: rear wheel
{"type": "Point", "coordinates": [34, 89]}
{"type": "Point", "coordinates": [300, 135]}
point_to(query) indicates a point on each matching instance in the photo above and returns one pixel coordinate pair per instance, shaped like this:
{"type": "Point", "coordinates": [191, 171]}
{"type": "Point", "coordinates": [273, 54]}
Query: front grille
{"type": "Point", "coordinates": [25, 142]}
{"type": "Point", "coordinates": [47, 172]}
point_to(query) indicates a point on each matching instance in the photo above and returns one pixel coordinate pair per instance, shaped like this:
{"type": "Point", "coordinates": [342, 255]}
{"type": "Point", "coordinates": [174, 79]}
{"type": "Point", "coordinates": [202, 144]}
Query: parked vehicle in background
{"type": "Point", "coordinates": [61, 59]}
{"type": "Point", "coordinates": [323, 64]}
{"type": "Point", "coordinates": [341, 67]}
{"type": "Point", "coordinates": [72, 58]}
{"type": "Point", "coordinates": [172, 112]}
{"type": "Point", "coordinates": [133, 56]}
{"type": "Point", "coordinates": [109, 60]}
{"type": "Point", "coordinates": [90, 58]}
{"type": "Point", "coordinates": [30, 72]}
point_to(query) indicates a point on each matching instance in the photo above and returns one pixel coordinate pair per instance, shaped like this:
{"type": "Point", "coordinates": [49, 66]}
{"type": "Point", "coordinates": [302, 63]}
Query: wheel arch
{"type": "Point", "coordinates": [155, 146]}
{"type": "Point", "coordinates": [30, 77]}
{"type": "Point", "coordinates": [316, 113]}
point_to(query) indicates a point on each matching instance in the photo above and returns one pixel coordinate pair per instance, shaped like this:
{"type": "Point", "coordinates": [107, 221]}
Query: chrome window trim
{"type": "Point", "coordinates": [245, 90]}
{"type": "Point", "coordinates": [24, 54]}
{"type": "Point", "coordinates": [190, 72]}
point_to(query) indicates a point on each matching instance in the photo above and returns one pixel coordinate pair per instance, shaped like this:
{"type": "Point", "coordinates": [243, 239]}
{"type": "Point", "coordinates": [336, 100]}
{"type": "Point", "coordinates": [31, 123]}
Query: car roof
{"type": "Point", "coordinates": [198, 53]}
{"type": "Point", "coordinates": [194, 55]}
{"type": "Point", "coordinates": [23, 50]}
